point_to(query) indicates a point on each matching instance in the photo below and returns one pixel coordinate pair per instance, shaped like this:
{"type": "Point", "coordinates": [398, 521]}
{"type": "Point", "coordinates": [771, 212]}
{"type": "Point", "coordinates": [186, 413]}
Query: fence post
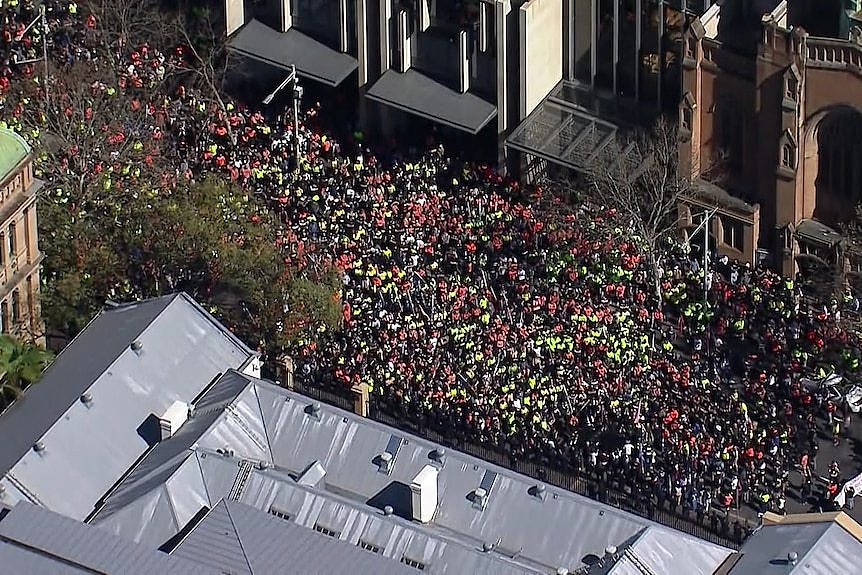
{"type": "Point", "coordinates": [360, 399]}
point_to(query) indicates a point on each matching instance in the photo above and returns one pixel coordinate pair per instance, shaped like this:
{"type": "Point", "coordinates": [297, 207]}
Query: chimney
{"type": "Point", "coordinates": [424, 490]}
{"type": "Point", "coordinates": [173, 418]}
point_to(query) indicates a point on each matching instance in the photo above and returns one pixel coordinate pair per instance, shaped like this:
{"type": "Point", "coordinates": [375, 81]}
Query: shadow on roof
{"type": "Point", "coordinates": [398, 496]}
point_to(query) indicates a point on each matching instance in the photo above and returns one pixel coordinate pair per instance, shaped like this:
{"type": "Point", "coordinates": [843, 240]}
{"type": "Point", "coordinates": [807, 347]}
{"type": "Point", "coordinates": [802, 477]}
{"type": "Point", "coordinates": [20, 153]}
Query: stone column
{"type": "Point", "coordinates": [360, 399]}
{"type": "Point", "coordinates": [284, 371]}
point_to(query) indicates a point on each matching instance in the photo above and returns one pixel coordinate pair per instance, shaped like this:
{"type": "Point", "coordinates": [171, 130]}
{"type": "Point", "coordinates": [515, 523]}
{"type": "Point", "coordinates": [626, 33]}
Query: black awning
{"type": "Point", "coordinates": [312, 59]}
{"type": "Point", "coordinates": [418, 94]}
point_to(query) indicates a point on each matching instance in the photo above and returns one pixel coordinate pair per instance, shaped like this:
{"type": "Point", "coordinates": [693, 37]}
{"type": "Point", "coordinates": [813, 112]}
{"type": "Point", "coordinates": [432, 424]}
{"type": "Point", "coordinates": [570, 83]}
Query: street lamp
{"type": "Point", "coordinates": [296, 97]}
{"type": "Point", "coordinates": [707, 215]}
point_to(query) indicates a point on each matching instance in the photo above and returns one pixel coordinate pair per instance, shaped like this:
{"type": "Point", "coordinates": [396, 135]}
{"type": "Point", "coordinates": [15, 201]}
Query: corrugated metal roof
{"type": "Point", "coordinates": [822, 548]}
{"type": "Point", "coordinates": [243, 540]}
{"type": "Point", "coordinates": [267, 423]}
{"type": "Point", "coordinates": [659, 551]}
{"type": "Point", "coordinates": [89, 447]}
{"type": "Point", "coordinates": [35, 540]}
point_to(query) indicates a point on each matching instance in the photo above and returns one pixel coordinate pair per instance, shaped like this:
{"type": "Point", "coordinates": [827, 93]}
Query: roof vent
{"type": "Point", "coordinates": [562, 571]}
{"type": "Point", "coordinates": [438, 456]}
{"type": "Point", "coordinates": [538, 491]}
{"type": "Point", "coordinates": [313, 410]}
{"type": "Point", "coordinates": [487, 547]}
{"type": "Point", "coordinates": [312, 474]}
{"type": "Point", "coordinates": [263, 465]}
{"type": "Point", "coordinates": [137, 346]}
{"type": "Point", "coordinates": [87, 398]}
{"type": "Point", "coordinates": [388, 510]}
{"type": "Point", "coordinates": [479, 496]}
{"type": "Point", "coordinates": [173, 418]}
{"type": "Point", "coordinates": [610, 550]}
{"type": "Point", "coordinates": [191, 412]}
{"type": "Point", "coordinates": [385, 462]}
{"type": "Point", "coordinates": [39, 447]}
{"type": "Point", "coordinates": [792, 557]}
{"type": "Point", "coordinates": [424, 490]}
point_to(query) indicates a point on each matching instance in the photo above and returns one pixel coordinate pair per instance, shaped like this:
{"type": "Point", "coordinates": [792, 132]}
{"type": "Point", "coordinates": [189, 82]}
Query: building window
{"type": "Point", "coordinates": [791, 84]}
{"type": "Point", "coordinates": [413, 563]}
{"type": "Point", "coordinates": [369, 546]}
{"type": "Point", "coordinates": [732, 233]}
{"type": "Point", "coordinates": [787, 155]}
{"type": "Point", "coordinates": [326, 531]}
{"type": "Point", "coordinates": [280, 514]}
{"type": "Point", "coordinates": [4, 317]}
{"type": "Point", "coordinates": [2, 250]}
{"type": "Point", "coordinates": [16, 306]}
{"type": "Point", "coordinates": [13, 240]}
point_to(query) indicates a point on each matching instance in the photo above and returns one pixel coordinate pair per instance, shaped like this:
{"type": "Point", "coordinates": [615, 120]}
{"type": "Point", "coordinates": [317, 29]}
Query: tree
{"type": "Point", "coordinates": [639, 178]}
{"type": "Point", "coordinates": [210, 239]}
{"type": "Point", "coordinates": [20, 365]}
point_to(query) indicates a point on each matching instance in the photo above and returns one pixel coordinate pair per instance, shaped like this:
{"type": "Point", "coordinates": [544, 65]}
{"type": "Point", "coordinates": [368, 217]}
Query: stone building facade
{"type": "Point", "coordinates": [20, 257]}
{"type": "Point", "coordinates": [772, 104]}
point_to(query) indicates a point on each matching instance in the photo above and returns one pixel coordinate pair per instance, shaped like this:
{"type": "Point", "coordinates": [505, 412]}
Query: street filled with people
{"type": "Point", "coordinates": [503, 314]}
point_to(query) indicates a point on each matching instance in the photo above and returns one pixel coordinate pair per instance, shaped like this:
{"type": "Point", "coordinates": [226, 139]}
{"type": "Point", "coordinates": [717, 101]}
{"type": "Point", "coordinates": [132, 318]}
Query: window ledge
{"type": "Point", "coordinates": [785, 173]}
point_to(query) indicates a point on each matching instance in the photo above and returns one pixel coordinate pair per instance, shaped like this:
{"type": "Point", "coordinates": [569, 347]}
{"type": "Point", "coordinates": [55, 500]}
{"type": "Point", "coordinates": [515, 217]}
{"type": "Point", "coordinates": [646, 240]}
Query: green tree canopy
{"type": "Point", "coordinates": [20, 365]}
{"type": "Point", "coordinates": [207, 238]}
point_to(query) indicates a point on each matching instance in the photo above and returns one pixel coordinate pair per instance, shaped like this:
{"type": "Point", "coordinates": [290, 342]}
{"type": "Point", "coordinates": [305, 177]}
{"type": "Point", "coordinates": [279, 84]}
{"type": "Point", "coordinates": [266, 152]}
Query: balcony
{"type": "Point", "coordinates": [833, 54]}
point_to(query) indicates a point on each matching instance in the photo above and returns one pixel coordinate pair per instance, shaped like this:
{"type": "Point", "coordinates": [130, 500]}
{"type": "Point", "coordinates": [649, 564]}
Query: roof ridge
{"type": "Point", "coordinates": [237, 535]}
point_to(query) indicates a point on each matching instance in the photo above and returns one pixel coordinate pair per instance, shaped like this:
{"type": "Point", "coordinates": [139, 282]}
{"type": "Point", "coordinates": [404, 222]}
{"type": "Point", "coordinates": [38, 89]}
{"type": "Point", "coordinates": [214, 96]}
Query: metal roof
{"type": "Point", "coordinates": [312, 59]}
{"type": "Point", "coordinates": [35, 540]}
{"type": "Point", "coordinates": [823, 547]}
{"type": "Point", "coordinates": [268, 424]}
{"type": "Point", "coordinates": [88, 445]}
{"type": "Point", "coordinates": [416, 93]}
{"type": "Point", "coordinates": [658, 551]}
{"type": "Point", "coordinates": [244, 540]}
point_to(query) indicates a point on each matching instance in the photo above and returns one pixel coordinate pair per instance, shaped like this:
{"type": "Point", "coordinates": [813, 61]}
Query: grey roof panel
{"type": "Point", "coordinates": [158, 468]}
{"type": "Point", "coordinates": [72, 372]}
{"type": "Point", "coordinates": [89, 447]}
{"type": "Point", "coordinates": [822, 548]}
{"type": "Point", "coordinates": [215, 542]}
{"type": "Point", "coordinates": [62, 541]}
{"type": "Point", "coordinates": [662, 552]}
{"type": "Point", "coordinates": [17, 560]}
{"type": "Point", "coordinates": [558, 531]}
{"type": "Point", "coordinates": [312, 58]}
{"type": "Point", "coordinates": [271, 545]}
{"type": "Point", "coordinates": [418, 94]}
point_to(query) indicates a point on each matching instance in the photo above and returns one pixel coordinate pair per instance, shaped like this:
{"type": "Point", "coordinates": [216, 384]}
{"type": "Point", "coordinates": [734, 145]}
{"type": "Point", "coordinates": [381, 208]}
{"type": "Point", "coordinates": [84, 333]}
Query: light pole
{"type": "Point", "coordinates": [707, 216]}
{"type": "Point", "coordinates": [296, 96]}
{"type": "Point", "coordinates": [44, 22]}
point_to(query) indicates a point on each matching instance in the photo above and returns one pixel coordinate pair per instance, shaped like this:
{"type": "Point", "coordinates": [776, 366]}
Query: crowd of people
{"type": "Point", "coordinates": [501, 314]}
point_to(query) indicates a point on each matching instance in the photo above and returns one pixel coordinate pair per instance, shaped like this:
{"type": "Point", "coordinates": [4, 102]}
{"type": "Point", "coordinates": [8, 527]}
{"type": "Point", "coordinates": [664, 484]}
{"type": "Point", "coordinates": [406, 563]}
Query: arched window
{"type": "Point", "coordinates": [787, 151]}
{"type": "Point", "coordinates": [791, 87]}
{"type": "Point", "coordinates": [787, 156]}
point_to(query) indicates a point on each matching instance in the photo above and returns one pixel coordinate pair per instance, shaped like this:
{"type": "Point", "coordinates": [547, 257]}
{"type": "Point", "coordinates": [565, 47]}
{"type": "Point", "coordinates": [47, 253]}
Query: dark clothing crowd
{"type": "Point", "coordinates": [503, 315]}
